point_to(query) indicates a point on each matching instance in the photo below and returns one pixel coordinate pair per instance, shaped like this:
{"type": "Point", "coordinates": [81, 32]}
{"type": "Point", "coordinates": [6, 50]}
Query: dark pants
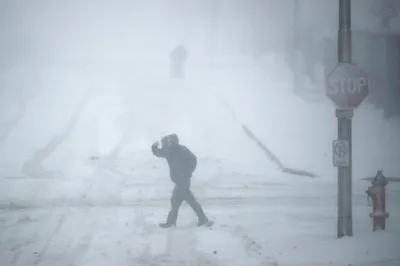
{"type": "Point", "coordinates": [182, 193]}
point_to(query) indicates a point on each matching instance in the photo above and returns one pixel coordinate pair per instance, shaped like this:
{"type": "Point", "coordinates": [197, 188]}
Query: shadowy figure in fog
{"type": "Point", "coordinates": [178, 57]}
{"type": "Point", "coordinates": [182, 163]}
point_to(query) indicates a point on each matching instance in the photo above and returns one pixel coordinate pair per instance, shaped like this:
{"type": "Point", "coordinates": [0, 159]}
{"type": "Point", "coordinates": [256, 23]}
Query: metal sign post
{"type": "Point", "coordinates": [345, 212]}
{"type": "Point", "coordinates": [347, 87]}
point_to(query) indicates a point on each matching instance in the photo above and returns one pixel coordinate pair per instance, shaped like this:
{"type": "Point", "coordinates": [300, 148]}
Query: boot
{"type": "Point", "coordinates": [202, 222]}
{"type": "Point", "coordinates": [167, 225]}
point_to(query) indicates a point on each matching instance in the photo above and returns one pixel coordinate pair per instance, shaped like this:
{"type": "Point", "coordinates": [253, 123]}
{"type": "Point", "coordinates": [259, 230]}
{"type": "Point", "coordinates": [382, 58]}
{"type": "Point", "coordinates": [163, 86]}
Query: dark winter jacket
{"type": "Point", "coordinates": [181, 161]}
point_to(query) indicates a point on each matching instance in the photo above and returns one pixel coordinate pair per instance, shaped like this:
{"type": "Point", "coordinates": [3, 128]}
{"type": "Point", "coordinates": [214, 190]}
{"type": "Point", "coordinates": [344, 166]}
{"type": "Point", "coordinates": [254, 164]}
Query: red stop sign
{"type": "Point", "coordinates": [347, 85]}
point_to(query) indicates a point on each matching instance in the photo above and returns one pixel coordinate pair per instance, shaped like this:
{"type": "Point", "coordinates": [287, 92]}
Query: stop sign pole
{"type": "Point", "coordinates": [347, 87]}
{"type": "Point", "coordinates": [345, 212]}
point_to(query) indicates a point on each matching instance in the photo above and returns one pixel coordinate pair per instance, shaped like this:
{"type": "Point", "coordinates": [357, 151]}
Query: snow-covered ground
{"type": "Point", "coordinates": [79, 185]}
{"type": "Point", "coordinates": [256, 224]}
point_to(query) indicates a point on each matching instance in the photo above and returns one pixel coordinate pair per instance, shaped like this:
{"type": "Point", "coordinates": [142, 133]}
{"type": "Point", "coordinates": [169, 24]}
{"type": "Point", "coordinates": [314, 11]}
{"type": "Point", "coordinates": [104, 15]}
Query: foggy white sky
{"type": "Point", "coordinates": [131, 29]}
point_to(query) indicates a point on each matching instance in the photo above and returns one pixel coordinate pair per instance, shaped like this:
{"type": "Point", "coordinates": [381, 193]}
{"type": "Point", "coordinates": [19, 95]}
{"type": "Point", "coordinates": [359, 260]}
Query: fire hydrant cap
{"type": "Point", "coordinates": [380, 179]}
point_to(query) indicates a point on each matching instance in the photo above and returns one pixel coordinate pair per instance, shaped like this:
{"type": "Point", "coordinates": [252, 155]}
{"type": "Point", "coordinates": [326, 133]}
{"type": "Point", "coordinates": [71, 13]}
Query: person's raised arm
{"type": "Point", "coordinates": [157, 151]}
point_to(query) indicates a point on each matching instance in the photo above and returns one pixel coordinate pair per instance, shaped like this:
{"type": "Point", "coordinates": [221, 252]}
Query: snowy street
{"type": "Point", "coordinates": [281, 224]}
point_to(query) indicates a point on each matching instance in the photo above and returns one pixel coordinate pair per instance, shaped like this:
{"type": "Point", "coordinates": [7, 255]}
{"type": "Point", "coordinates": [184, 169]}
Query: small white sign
{"type": "Point", "coordinates": [341, 153]}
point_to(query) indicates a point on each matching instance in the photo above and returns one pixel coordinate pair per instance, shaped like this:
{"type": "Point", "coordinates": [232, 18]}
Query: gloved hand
{"type": "Point", "coordinates": [157, 151]}
{"type": "Point", "coordinates": [155, 144]}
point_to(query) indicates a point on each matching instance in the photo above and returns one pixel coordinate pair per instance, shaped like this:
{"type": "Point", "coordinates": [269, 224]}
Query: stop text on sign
{"type": "Point", "coordinates": [347, 85]}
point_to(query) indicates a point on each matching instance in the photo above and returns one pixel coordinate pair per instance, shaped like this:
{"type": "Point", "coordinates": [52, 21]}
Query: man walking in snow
{"type": "Point", "coordinates": [182, 163]}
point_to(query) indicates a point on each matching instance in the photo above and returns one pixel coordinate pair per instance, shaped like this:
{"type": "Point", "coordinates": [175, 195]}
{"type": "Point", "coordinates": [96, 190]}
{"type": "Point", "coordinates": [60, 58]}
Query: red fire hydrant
{"type": "Point", "coordinates": [378, 194]}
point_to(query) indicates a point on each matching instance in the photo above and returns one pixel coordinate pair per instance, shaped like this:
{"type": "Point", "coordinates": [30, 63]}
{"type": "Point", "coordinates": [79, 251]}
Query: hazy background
{"type": "Point", "coordinates": [302, 34]}
{"type": "Point", "coordinates": [53, 51]}
{"type": "Point", "coordinates": [96, 30]}
{"type": "Point", "coordinates": [85, 89]}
